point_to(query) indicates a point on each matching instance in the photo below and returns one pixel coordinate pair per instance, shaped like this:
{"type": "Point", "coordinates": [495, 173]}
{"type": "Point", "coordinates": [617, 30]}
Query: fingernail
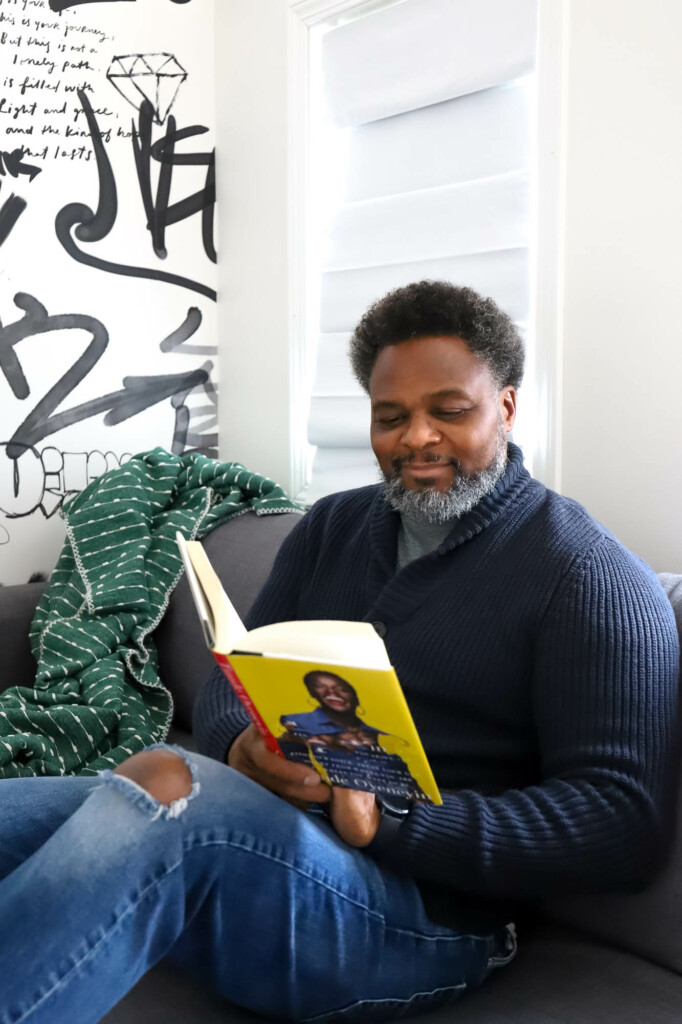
{"type": "Point", "coordinates": [311, 780]}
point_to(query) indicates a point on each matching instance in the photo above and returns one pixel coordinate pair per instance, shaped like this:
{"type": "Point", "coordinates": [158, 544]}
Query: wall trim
{"type": "Point", "coordinates": [298, 161]}
{"type": "Point", "coordinates": [313, 12]}
{"type": "Point", "coordinates": [550, 214]}
{"type": "Point", "coordinates": [304, 15]}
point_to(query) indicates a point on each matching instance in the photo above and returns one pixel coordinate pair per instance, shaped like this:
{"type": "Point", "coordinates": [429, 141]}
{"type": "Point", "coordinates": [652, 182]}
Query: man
{"type": "Point", "coordinates": [540, 662]}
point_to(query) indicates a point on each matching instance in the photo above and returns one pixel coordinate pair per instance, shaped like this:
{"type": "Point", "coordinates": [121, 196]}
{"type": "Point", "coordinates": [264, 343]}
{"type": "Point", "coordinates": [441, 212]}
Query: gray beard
{"type": "Point", "coordinates": [432, 506]}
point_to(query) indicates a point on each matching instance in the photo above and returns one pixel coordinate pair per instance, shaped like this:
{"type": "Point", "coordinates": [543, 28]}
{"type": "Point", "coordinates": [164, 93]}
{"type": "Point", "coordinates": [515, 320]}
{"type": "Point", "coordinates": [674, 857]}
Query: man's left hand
{"type": "Point", "coordinates": [355, 815]}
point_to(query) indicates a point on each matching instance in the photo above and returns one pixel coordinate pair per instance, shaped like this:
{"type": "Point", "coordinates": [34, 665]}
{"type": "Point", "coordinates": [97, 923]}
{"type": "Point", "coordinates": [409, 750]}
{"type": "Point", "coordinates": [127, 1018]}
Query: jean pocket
{"type": "Point", "coordinates": [376, 1010]}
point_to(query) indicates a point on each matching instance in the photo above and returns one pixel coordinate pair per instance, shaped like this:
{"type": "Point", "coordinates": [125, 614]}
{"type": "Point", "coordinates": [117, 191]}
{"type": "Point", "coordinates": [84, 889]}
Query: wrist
{"type": "Point", "coordinates": [233, 752]}
{"type": "Point", "coordinates": [393, 814]}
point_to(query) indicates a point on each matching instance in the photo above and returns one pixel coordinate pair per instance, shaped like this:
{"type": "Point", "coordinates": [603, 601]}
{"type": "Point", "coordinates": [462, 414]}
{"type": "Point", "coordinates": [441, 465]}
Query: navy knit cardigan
{"type": "Point", "coordinates": [540, 662]}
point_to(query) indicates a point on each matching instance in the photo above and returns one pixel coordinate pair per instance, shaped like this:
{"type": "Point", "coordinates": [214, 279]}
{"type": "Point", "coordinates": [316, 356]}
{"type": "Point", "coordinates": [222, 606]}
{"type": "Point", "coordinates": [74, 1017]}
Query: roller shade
{"type": "Point", "coordinates": [432, 103]}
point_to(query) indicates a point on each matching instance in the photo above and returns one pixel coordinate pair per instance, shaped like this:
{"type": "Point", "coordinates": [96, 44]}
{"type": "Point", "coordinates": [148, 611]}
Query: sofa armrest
{"type": "Point", "coordinates": [17, 606]}
{"type": "Point", "coordinates": [647, 923]}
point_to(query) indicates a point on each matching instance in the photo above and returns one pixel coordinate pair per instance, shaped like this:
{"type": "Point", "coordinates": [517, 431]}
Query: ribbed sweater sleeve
{"type": "Point", "coordinates": [218, 716]}
{"type": "Point", "coordinates": [604, 703]}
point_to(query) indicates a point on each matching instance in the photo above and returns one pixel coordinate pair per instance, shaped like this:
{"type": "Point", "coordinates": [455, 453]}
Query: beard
{"type": "Point", "coordinates": [466, 490]}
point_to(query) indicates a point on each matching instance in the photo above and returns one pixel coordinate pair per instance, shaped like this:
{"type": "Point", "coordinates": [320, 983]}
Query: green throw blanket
{"type": "Point", "coordinates": [98, 697]}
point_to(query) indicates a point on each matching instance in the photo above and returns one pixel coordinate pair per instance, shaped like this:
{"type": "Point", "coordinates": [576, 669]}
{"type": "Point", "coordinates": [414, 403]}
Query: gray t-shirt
{"type": "Point", "coordinates": [417, 538]}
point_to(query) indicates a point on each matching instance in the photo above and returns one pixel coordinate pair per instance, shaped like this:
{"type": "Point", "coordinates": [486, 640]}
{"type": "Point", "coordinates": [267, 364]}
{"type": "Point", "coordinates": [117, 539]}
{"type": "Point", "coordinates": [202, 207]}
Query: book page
{"type": "Point", "coordinates": [345, 643]}
{"type": "Point", "coordinates": [220, 621]}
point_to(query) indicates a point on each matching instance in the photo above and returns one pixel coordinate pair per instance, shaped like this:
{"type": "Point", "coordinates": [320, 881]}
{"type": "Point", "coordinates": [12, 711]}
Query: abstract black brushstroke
{"type": "Point", "coordinates": [61, 5]}
{"type": "Point", "coordinates": [207, 416]}
{"type": "Point", "coordinates": [137, 394]}
{"type": "Point", "coordinates": [187, 328]}
{"type": "Point", "coordinates": [93, 227]}
{"type": "Point", "coordinates": [10, 212]}
{"type": "Point", "coordinates": [159, 213]}
{"type": "Point", "coordinates": [13, 164]}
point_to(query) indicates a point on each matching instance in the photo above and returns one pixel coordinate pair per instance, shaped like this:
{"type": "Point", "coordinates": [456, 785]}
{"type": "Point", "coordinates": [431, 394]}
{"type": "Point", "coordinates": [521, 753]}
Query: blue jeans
{"type": "Point", "coordinates": [261, 902]}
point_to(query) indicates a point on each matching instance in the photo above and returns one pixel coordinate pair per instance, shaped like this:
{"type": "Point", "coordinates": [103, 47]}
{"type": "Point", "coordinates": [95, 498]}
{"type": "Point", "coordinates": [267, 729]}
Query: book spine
{"type": "Point", "coordinates": [239, 688]}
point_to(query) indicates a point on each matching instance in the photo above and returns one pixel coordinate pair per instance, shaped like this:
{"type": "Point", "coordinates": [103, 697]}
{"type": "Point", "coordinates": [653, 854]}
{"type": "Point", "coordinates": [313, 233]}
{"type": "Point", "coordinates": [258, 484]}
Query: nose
{"type": "Point", "coordinates": [420, 432]}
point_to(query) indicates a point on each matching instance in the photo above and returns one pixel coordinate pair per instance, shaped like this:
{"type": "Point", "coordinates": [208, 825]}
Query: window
{"type": "Point", "coordinates": [422, 135]}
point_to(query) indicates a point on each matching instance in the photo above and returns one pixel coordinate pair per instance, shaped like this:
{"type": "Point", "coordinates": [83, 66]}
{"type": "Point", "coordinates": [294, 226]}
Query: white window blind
{"type": "Point", "coordinates": [431, 105]}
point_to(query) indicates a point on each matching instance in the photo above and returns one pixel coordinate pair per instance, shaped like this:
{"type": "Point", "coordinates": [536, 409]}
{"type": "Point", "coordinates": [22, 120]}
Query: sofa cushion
{"type": "Point", "coordinates": [672, 585]}
{"type": "Point", "coordinates": [165, 997]}
{"type": "Point", "coordinates": [558, 977]}
{"type": "Point", "coordinates": [242, 552]}
{"type": "Point", "coordinates": [650, 922]}
{"type": "Point", "coordinates": [17, 607]}
{"type": "Point", "coordinates": [563, 977]}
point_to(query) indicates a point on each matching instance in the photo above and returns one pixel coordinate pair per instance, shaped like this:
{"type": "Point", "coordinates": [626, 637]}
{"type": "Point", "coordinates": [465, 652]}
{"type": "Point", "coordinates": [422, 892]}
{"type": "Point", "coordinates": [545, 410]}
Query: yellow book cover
{"type": "Point", "coordinates": [322, 693]}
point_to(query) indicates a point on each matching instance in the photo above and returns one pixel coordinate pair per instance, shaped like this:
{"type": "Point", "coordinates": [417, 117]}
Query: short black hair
{"type": "Point", "coordinates": [310, 679]}
{"type": "Point", "coordinates": [428, 309]}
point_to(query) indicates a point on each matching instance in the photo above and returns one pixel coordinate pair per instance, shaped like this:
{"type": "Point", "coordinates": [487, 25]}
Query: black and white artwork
{"type": "Point", "coordinates": [107, 251]}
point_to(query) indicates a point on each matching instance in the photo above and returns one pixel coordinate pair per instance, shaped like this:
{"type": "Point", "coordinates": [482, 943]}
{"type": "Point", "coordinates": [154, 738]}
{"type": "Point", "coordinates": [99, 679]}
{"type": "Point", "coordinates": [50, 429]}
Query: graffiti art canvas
{"type": "Point", "coordinates": [107, 251]}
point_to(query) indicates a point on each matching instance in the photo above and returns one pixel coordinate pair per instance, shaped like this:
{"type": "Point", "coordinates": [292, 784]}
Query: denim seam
{"type": "Point", "coordinates": [103, 939]}
{"type": "Point", "coordinates": [386, 1001]}
{"type": "Point", "coordinates": [190, 844]}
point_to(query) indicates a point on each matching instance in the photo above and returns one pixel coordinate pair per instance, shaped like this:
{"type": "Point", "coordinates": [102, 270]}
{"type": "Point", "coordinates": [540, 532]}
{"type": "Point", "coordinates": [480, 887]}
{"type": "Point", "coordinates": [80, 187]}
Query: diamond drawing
{"type": "Point", "coordinates": [156, 77]}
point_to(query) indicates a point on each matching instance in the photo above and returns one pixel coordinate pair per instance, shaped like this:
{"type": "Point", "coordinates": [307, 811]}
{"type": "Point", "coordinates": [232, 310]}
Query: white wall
{"type": "Point", "coordinates": [622, 421]}
{"type": "Point", "coordinates": [253, 289]}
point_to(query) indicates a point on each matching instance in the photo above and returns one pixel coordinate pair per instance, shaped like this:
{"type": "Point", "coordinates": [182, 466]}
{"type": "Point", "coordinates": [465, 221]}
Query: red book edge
{"type": "Point", "coordinates": [238, 687]}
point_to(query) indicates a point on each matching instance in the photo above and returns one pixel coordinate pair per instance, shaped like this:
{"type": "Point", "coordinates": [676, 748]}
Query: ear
{"type": "Point", "coordinates": [507, 400]}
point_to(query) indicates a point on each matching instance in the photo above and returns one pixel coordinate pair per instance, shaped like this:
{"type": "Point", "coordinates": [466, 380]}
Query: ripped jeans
{"type": "Point", "coordinates": [262, 903]}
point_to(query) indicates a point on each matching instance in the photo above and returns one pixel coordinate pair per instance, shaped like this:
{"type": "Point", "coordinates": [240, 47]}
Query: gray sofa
{"type": "Point", "coordinates": [592, 960]}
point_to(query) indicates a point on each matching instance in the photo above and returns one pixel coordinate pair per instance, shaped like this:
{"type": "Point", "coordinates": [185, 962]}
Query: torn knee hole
{"type": "Point", "coordinates": [162, 773]}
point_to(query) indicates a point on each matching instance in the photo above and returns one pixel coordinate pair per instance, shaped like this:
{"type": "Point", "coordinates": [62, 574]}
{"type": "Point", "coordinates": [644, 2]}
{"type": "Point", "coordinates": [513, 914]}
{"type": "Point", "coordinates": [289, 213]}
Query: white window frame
{"type": "Point", "coordinates": [545, 389]}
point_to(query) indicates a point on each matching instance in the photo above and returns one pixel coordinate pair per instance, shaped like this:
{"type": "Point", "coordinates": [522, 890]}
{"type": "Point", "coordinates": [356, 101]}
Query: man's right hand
{"type": "Point", "coordinates": [293, 782]}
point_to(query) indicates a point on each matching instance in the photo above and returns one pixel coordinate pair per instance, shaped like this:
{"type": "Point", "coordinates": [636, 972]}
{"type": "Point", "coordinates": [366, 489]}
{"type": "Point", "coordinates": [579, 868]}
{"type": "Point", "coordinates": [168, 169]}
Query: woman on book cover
{"type": "Point", "coordinates": [341, 742]}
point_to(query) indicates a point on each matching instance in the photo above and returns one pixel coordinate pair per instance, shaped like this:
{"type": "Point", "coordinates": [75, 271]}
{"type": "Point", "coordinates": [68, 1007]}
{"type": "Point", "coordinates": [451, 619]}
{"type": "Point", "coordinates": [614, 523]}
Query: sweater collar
{"type": "Point", "coordinates": [493, 505]}
{"type": "Point", "coordinates": [385, 522]}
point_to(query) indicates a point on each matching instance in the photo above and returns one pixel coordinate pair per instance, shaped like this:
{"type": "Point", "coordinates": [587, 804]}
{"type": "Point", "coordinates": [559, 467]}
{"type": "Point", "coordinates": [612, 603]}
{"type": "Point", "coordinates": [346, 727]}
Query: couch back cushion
{"type": "Point", "coordinates": [242, 552]}
{"type": "Point", "coordinates": [17, 608]}
{"type": "Point", "coordinates": [648, 923]}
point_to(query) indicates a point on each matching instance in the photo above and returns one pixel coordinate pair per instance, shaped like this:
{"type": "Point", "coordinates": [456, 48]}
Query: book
{"type": "Point", "coordinates": [321, 693]}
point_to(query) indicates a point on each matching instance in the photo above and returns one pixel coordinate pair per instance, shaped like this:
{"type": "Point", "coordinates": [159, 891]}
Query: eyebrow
{"type": "Point", "coordinates": [445, 393]}
{"type": "Point", "coordinates": [451, 393]}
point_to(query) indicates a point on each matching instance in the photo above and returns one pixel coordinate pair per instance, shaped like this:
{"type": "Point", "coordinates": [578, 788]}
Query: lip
{"type": "Point", "coordinates": [419, 470]}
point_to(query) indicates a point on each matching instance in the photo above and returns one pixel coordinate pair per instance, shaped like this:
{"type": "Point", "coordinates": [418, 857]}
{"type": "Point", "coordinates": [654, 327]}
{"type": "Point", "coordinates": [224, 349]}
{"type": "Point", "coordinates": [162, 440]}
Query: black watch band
{"type": "Point", "coordinates": [393, 808]}
{"type": "Point", "coordinates": [393, 814]}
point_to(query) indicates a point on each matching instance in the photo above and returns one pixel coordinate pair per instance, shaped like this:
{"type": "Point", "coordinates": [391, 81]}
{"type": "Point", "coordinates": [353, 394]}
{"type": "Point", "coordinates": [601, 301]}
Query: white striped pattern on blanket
{"type": "Point", "coordinates": [97, 697]}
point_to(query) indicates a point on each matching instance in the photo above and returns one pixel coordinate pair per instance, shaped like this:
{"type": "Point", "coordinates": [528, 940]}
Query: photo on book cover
{"type": "Point", "coordinates": [338, 723]}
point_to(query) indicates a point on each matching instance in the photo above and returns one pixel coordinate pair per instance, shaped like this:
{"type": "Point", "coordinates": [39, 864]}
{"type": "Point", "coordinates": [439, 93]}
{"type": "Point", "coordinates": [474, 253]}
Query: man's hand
{"type": "Point", "coordinates": [355, 815]}
{"type": "Point", "coordinates": [293, 782]}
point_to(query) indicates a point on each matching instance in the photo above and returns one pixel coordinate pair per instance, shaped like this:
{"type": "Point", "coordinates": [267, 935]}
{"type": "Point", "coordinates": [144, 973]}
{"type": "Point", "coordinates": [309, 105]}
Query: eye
{"type": "Point", "coordinates": [390, 421]}
{"type": "Point", "coordinates": [448, 414]}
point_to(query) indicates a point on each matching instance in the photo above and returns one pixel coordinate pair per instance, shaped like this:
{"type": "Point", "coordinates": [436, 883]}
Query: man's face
{"type": "Point", "coordinates": [332, 693]}
{"type": "Point", "coordinates": [436, 413]}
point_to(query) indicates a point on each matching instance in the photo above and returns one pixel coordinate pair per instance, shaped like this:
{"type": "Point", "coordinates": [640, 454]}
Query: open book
{"type": "Point", "coordinates": [321, 693]}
